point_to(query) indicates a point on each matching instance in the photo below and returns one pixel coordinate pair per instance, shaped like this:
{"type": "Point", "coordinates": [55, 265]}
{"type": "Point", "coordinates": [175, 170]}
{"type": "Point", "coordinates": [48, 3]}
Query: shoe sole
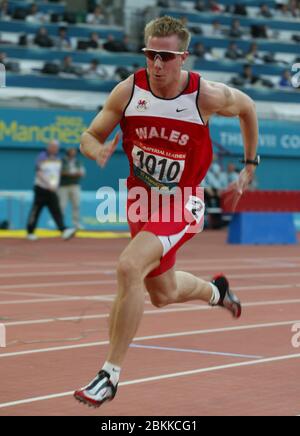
{"type": "Point", "coordinates": [85, 401]}
{"type": "Point", "coordinates": [89, 403]}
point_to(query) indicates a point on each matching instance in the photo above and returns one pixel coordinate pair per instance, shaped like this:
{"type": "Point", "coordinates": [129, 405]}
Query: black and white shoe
{"type": "Point", "coordinates": [228, 299]}
{"type": "Point", "coordinates": [98, 391]}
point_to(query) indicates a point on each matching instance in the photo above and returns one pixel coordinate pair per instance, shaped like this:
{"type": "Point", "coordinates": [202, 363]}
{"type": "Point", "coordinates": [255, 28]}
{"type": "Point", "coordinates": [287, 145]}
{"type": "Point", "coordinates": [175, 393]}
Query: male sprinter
{"type": "Point", "coordinates": [164, 112]}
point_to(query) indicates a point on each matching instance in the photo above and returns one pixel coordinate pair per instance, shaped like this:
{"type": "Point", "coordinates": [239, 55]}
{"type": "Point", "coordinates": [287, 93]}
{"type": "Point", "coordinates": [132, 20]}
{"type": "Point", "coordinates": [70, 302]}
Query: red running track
{"type": "Point", "coordinates": [187, 359]}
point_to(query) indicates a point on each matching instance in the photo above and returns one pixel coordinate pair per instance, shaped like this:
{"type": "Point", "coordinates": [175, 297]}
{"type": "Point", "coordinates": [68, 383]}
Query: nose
{"type": "Point", "coordinates": [158, 62]}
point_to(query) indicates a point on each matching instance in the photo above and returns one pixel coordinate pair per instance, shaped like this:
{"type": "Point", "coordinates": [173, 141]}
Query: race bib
{"type": "Point", "coordinates": [160, 169]}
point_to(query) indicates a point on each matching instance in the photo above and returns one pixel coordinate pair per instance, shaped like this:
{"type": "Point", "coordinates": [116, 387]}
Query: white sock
{"type": "Point", "coordinates": [113, 371]}
{"type": "Point", "coordinates": [215, 295]}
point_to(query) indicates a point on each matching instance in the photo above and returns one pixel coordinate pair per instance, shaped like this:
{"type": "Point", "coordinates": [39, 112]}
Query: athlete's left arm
{"type": "Point", "coordinates": [218, 98]}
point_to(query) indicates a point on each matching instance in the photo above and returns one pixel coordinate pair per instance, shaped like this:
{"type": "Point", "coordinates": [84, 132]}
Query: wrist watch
{"type": "Point", "coordinates": [255, 161]}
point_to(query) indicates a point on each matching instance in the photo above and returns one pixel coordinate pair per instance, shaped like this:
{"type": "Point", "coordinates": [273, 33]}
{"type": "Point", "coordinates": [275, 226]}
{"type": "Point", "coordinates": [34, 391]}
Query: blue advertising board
{"type": "Point", "coordinates": [33, 128]}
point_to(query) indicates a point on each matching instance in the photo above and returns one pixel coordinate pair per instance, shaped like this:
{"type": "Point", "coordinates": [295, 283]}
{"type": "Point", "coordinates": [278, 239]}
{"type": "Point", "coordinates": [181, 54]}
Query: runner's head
{"type": "Point", "coordinates": [164, 27]}
{"type": "Point", "coordinates": [166, 45]}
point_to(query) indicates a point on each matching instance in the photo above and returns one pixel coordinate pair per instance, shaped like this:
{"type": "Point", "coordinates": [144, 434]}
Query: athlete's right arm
{"type": "Point", "coordinates": [93, 143]}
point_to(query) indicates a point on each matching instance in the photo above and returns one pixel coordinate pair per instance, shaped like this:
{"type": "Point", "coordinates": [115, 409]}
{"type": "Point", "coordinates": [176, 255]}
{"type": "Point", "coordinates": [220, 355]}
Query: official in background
{"type": "Point", "coordinates": [72, 172]}
{"type": "Point", "coordinates": [48, 173]}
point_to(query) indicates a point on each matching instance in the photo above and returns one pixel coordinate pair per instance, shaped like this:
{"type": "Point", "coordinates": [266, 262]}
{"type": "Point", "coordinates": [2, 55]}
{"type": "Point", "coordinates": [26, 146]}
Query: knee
{"type": "Point", "coordinates": [127, 268]}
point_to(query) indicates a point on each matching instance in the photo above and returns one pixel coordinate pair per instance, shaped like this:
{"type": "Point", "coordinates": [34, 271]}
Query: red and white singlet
{"type": "Point", "coordinates": [168, 146]}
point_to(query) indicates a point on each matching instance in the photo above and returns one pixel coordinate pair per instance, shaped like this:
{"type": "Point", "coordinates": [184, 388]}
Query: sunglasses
{"type": "Point", "coordinates": [164, 55]}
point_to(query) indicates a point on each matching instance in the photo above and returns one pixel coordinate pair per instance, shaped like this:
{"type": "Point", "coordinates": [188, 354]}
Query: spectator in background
{"type": "Point", "coordinates": [285, 80]}
{"type": "Point", "coordinates": [199, 50]}
{"type": "Point", "coordinates": [202, 52]}
{"type": "Point", "coordinates": [48, 169]}
{"type": "Point", "coordinates": [96, 17]}
{"type": "Point", "coordinates": [42, 39]}
{"type": "Point", "coordinates": [260, 31]}
{"type": "Point", "coordinates": [116, 45]}
{"type": "Point", "coordinates": [235, 30]}
{"type": "Point", "coordinates": [12, 66]}
{"type": "Point", "coordinates": [71, 174]}
{"type": "Point", "coordinates": [63, 42]}
{"type": "Point", "coordinates": [94, 42]}
{"type": "Point", "coordinates": [4, 11]}
{"type": "Point", "coordinates": [67, 67]}
{"type": "Point", "coordinates": [248, 76]}
{"type": "Point", "coordinates": [252, 54]}
{"type": "Point", "coordinates": [36, 17]}
{"type": "Point", "coordinates": [233, 52]}
{"type": "Point", "coordinates": [95, 71]}
{"type": "Point", "coordinates": [217, 29]}
{"type": "Point", "coordinates": [264, 11]}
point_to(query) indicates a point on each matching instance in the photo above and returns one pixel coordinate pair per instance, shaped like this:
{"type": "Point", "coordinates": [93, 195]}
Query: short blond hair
{"type": "Point", "coordinates": [168, 26]}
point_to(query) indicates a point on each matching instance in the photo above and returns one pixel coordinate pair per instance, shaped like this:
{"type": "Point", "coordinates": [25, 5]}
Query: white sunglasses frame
{"type": "Point", "coordinates": [163, 51]}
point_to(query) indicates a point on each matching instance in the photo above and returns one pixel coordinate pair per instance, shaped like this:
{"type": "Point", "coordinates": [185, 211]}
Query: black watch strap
{"type": "Point", "coordinates": [255, 161]}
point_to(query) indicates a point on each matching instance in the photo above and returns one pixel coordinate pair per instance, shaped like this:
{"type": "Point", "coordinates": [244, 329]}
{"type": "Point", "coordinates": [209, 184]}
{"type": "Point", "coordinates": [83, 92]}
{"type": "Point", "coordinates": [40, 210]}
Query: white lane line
{"type": "Point", "coordinates": [188, 308]}
{"type": "Point", "coordinates": [59, 299]}
{"type": "Point", "coordinates": [56, 284]}
{"type": "Point", "coordinates": [32, 294]}
{"type": "Point", "coordinates": [188, 350]}
{"type": "Point", "coordinates": [97, 272]}
{"type": "Point", "coordinates": [52, 273]}
{"type": "Point", "coordinates": [189, 265]}
{"type": "Point", "coordinates": [146, 338]}
{"type": "Point", "coordinates": [213, 261]}
{"type": "Point", "coordinates": [162, 377]}
{"type": "Point", "coordinates": [113, 282]}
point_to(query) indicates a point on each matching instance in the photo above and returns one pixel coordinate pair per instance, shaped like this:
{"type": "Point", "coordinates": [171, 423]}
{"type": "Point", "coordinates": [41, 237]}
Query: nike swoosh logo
{"type": "Point", "coordinates": [181, 110]}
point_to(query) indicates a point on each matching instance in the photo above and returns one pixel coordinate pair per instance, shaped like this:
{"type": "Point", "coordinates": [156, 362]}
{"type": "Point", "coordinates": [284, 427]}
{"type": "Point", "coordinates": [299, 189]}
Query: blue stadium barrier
{"type": "Point", "coordinates": [262, 228]}
{"type": "Point", "coordinates": [81, 84]}
{"type": "Point", "coordinates": [226, 20]}
{"type": "Point", "coordinates": [127, 59]}
{"type": "Point", "coordinates": [257, 3]}
{"type": "Point", "coordinates": [60, 83]}
{"type": "Point", "coordinates": [272, 47]}
{"type": "Point", "coordinates": [76, 30]}
{"type": "Point", "coordinates": [42, 54]}
{"type": "Point", "coordinates": [228, 66]}
{"type": "Point", "coordinates": [45, 7]}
